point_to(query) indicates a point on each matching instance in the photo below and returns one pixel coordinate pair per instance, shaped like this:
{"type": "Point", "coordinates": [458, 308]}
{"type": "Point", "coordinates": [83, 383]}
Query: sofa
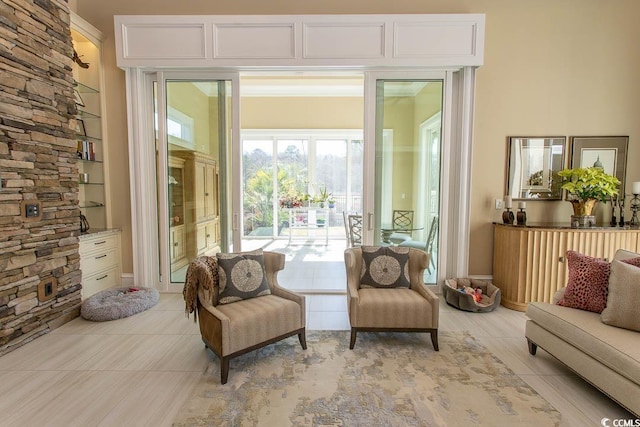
{"type": "Point", "coordinates": [606, 356]}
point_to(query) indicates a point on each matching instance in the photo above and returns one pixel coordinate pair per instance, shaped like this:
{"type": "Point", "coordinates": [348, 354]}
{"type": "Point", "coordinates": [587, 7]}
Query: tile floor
{"type": "Point", "coordinates": [140, 370]}
{"type": "Point", "coordinates": [311, 266]}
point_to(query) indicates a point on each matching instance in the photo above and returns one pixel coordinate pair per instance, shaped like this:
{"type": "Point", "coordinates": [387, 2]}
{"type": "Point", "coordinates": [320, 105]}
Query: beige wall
{"type": "Point", "coordinates": [191, 101]}
{"type": "Point", "coordinates": [302, 113]}
{"type": "Point", "coordinates": [399, 117]}
{"type": "Point", "coordinates": [551, 68]}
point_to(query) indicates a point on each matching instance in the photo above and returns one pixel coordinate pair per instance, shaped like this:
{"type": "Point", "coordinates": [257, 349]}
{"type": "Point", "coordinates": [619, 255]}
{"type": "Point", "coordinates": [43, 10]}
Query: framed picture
{"type": "Point", "coordinates": [78, 98]}
{"type": "Point", "coordinates": [80, 129]}
{"type": "Point", "coordinates": [533, 166]}
{"type": "Point", "coordinates": [608, 152]}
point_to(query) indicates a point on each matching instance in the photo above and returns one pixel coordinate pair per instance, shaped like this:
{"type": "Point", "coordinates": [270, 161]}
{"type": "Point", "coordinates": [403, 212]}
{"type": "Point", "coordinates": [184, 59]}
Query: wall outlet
{"type": "Point", "coordinates": [499, 204]}
{"type": "Point", "coordinates": [31, 210]}
{"type": "Point", "coordinates": [47, 289]}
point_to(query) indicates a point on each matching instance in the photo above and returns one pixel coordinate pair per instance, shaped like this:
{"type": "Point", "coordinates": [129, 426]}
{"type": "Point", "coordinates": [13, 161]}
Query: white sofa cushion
{"type": "Point", "coordinates": [623, 298]}
{"type": "Point", "coordinates": [615, 348]}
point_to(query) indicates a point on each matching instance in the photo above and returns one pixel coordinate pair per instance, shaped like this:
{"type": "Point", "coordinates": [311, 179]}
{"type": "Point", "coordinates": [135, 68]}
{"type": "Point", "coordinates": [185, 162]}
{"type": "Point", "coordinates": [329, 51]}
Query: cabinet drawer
{"type": "Point", "coordinates": [98, 243]}
{"type": "Point", "coordinates": [97, 282]}
{"type": "Point", "coordinates": [98, 261]}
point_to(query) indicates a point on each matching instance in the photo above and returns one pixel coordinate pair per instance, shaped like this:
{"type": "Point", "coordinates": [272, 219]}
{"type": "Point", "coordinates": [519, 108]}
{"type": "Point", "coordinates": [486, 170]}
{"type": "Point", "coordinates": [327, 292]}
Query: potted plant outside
{"type": "Point", "coordinates": [586, 187]}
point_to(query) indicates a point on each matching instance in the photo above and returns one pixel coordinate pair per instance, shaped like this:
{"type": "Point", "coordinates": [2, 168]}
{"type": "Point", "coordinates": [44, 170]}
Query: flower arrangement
{"type": "Point", "coordinates": [589, 184]}
{"type": "Point", "coordinates": [295, 200]}
{"type": "Point", "coordinates": [290, 201]}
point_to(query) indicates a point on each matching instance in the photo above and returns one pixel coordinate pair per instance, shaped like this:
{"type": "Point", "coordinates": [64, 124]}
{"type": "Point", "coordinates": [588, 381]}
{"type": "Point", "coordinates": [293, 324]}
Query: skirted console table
{"type": "Point", "coordinates": [529, 261]}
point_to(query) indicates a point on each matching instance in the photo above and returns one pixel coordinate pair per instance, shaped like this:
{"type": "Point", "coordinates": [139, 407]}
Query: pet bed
{"type": "Point", "coordinates": [116, 303]}
{"type": "Point", "coordinates": [471, 294]}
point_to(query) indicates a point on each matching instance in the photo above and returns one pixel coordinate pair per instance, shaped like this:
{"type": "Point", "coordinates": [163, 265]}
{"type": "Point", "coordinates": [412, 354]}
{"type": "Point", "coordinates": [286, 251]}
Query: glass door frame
{"type": "Point", "coordinates": [230, 205]}
{"type": "Point", "coordinates": [457, 128]}
{"type": "Point", "coordinates": [370, 221]}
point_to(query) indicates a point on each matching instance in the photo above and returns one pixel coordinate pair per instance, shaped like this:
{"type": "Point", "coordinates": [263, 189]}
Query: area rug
{"type": "Point", "coordinates": [389, 379]}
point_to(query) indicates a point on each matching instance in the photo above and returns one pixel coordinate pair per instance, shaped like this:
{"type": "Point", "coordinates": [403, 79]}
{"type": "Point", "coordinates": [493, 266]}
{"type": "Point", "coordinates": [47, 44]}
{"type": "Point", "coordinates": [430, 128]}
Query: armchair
{"type": "Point", "coordinates": [236, 328]}
{"type": "Point", "coordinates": [412, 309]}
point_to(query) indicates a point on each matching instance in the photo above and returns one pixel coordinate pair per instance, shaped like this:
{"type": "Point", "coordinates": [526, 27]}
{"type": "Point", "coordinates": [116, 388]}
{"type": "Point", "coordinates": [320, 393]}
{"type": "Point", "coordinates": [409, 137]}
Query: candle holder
{"type": "Point", "coordinates": [614, 221]}
{"type": "Point", "coordinates": [621, 206]}
{"type": "Point", "coordinates": [508, 217]}
{"type": "Point", "coordinates": [521, 217]}
{"type": "Point", "coordinates": [635, 205]}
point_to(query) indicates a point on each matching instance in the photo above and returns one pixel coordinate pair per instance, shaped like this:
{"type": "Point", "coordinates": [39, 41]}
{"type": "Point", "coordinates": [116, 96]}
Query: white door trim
{"type": "Point", "coordinates": [226, 44]}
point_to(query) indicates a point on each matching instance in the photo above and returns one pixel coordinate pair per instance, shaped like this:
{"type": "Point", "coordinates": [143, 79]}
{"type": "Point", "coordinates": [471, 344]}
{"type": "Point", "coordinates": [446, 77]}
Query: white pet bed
{"type": "Point", "coordinates": [116, 303]}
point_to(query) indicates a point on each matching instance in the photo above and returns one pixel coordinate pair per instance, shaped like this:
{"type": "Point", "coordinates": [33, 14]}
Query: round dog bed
{"type": "Point", "coordinates": [116, 303]}
{"type": "Point", "coordinates": [460, 294]}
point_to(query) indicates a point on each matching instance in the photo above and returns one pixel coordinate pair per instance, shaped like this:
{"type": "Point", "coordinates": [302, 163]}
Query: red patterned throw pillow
{"type": "Point", "coordinates": [588, 282]}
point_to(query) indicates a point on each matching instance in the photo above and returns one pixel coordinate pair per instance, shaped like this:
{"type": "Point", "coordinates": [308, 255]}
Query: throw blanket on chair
{"type": "Point", "coordinates": [202, 277]}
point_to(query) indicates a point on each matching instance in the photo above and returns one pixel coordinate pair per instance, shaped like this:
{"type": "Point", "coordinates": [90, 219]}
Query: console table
{"type": "Point", "coordinates": [529, 261]}
{"type": "Point", "coordinates": [309, 218]}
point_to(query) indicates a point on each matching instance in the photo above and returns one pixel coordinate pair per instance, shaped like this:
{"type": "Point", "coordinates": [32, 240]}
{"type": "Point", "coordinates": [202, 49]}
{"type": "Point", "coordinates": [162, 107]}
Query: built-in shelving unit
{"type": "Point", "coordinates": [91, 150]}
{"type": "Point", "coordinates": [100, 251]}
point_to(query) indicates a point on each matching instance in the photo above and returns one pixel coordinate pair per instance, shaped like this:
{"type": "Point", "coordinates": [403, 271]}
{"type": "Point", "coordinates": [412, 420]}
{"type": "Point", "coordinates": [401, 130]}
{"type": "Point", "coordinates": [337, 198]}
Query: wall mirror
{"type": "Point", "coordinates": [533, 166]}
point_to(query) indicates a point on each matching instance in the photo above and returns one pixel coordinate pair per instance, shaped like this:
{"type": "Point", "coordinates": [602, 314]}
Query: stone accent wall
{"type": "Point", "coordinates": [37, 162]}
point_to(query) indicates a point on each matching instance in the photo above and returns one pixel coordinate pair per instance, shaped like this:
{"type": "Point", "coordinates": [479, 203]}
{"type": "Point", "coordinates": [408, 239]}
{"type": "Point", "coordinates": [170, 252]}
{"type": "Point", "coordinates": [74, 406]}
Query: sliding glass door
{"type": "Point", "coordinates": [192, 130]}
{"type": "Point", "coordinates": [406, 165]}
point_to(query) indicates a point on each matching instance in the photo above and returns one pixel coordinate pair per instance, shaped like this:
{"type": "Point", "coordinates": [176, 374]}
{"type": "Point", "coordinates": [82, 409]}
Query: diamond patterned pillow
{"type": "Point", "coordinates": [385, 267]}
{"type": "Point", "coordinates": [241, 276]}
{"type": "Point", "coordinates": [587, 284]}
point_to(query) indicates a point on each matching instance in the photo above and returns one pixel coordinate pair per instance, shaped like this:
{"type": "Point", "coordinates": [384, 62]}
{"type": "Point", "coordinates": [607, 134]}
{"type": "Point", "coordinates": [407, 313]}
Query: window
{"type": "Point", "coordinates": [284, 163]}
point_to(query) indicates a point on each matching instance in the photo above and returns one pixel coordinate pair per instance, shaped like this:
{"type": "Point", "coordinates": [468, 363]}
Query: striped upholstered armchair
{"type": "Point", "coordinates": [237, 326]}
{"type": "Point", "coordinates": [381, 296]}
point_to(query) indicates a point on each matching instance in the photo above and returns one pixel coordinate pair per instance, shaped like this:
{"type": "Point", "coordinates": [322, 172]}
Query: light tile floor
{"type": "Point", "coordinates": [139, 370]}
{"type": "Point", "coordinates": [312, 266]}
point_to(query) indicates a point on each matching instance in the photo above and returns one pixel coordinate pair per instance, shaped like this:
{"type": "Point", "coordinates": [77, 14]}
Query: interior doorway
{"type": "Point", "coordinates": [302, 166]}
{"type": "Point", "coordinates": [303, 169]}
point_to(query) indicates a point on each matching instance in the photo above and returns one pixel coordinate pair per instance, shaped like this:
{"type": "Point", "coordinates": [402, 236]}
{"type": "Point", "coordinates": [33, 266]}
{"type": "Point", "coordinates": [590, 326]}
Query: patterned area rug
{"type": "Point", "coordinates": [387, 380]}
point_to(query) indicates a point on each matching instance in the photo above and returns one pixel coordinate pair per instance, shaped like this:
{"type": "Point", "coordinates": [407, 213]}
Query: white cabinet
{"type": "Point", "coordinates": [206, 184]}
{"type": "Point", "coordinates": [177, 227]}
{"type": "Point", "coordinates": [100, 261]}
{"type": "Point", "coordinates": [201, 202]}
{"type": "Point", "coordinates": [207, 237]}
{"type": "Point", "coordinates": [177, 247]}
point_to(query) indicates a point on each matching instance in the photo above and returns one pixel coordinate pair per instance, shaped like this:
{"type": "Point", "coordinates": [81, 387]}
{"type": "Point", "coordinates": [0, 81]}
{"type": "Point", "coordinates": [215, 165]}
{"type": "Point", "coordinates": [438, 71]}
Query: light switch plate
{"type": "Point", "coordinates": [31, 210]}
{"type": "Point", "coordinates": [499, 204]}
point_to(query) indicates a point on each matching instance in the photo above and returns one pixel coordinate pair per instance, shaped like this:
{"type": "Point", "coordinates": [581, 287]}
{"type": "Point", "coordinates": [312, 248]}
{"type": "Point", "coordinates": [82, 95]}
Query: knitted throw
{"type": "Point", "coordinates": [202, 280]}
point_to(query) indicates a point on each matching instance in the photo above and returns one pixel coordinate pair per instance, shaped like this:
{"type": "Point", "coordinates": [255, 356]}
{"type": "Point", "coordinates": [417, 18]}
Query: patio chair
{"type": "Point", "coordinates": [355, 230]}
{"type": "Point", "coordinates": [426, 246]}
{"type": "Point", "coordinates": [402, 222]}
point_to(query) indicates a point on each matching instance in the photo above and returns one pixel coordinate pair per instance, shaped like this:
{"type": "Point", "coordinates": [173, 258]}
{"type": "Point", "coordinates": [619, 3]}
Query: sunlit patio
{"type": "Point", "coordinates": [311, 266]}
